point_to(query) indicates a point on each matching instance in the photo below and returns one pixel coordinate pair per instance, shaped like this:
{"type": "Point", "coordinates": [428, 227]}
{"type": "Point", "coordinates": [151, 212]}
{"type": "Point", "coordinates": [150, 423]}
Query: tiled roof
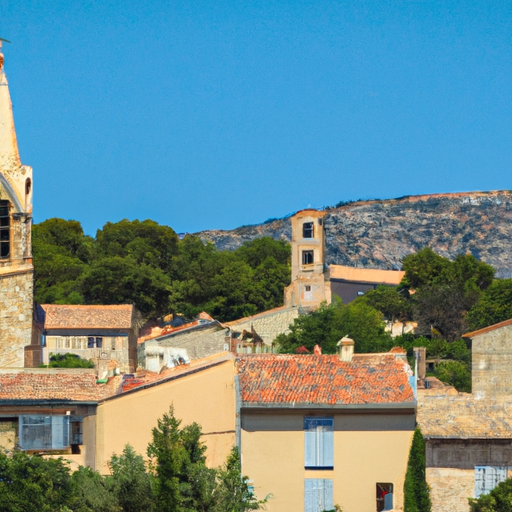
{"type": "Point", "coordinates": [311, 379]}
{"type": "Point", "coordinates": [73, 386]}
{"type": "Point", "coordinates": [461, 416]}
{"type": "Point", "coordinates": [57, 316]}
{"type": "Point", "coordinates": [488, 329]}
{"type": "Point", "coordinates": [366, 275]}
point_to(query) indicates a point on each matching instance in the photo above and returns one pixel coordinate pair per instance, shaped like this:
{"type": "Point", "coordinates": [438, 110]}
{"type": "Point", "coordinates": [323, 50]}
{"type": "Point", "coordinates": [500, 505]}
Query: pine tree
{"type": "Point", "coordinates": [416, 491]}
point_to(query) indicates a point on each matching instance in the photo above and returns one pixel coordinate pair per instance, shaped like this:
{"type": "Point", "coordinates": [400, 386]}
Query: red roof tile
{"type": "Point", "coordinates": [311, 379]}
{"type": "Point", "coordinates": [76, 386]}
{"type": "Point", "coordinates": [57, 316]}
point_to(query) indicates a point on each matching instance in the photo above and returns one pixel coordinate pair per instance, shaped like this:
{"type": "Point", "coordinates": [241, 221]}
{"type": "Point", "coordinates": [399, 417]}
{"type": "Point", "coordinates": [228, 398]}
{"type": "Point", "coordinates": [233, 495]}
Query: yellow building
{"type": "Point", "coordinates": [16, 270]}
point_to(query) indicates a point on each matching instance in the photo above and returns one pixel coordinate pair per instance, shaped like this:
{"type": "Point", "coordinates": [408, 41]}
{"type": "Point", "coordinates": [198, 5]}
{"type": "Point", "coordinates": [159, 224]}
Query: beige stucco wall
{"type": "Point", "coordinates": [450, 488]}
{"type": "Point", "coordinates": [206, 397]}
{"type": "Point", "coordinates": [491, 363]}
{"type": "Point", "coordinates": [367, 449]}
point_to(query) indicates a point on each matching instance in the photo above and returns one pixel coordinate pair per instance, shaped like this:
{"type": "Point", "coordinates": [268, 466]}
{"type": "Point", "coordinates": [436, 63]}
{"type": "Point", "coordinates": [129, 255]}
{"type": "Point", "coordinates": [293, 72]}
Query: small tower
{"type": "Point", "coordinates": [16, 270]}
{"type": "Point", "coordinates": [310, 284]}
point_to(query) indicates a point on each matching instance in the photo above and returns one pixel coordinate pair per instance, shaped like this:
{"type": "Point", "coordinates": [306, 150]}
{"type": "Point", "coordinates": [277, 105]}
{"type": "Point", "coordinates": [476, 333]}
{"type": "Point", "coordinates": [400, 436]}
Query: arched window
{"type": "Point", "coordinates": [5, 229]}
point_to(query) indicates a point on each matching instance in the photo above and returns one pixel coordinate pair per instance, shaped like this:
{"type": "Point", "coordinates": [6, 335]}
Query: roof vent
{"type": "Point", "coordinates": [346, 349]}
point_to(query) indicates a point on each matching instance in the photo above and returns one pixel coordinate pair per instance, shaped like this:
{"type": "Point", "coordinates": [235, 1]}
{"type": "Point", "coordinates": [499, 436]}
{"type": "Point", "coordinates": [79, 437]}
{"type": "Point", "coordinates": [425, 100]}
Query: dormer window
{"type": "Point", "coordinates": [307, 230]}
{"type": "Point", "coordinates": [5, 230]}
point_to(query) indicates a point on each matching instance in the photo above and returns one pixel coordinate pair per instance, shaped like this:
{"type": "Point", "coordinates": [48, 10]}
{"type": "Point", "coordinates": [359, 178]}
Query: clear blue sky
{"type": "Point", "coordinates": [213, 114]}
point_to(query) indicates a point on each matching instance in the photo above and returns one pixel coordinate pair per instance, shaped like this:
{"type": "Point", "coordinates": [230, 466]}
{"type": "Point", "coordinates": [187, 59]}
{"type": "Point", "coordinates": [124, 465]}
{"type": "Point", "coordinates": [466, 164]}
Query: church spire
{"type": "Point", "coordinates": [9, 155]}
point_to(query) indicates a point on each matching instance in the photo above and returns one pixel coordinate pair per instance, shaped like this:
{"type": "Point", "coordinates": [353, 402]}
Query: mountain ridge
{"type": "Point", "coordinates": [378, 233]}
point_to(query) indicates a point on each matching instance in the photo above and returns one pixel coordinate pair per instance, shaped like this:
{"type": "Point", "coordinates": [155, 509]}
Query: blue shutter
{"type": "Point", "coordinates": [310, 448]}
{"type": "Point", "coordinates": [309, 495]}
{"type": "Point", "coordinates": [328, 495]}
{"type": "Point", "coordinates": [327, 452]}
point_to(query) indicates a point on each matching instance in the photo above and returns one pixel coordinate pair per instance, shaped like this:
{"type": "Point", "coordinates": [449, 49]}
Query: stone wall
{"type": "Point", "coordinates": [8, 435]}
{"type": "Point", "coordinates": [450, 488]}
{"type": "Point", "coordinates": [492, 360]}
{"type": "Point", "coordinates": [16, 306]}
{"type": "Point", "coordinates": [269, 324]}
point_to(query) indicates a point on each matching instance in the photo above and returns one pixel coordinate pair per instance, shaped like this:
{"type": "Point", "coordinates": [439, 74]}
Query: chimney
{"type": "Point", "coordinates": [420, 353]}
{"type": "Point", "coordinates": [317, 350]}
{"type": "Point", "coordinates": [346, 350]}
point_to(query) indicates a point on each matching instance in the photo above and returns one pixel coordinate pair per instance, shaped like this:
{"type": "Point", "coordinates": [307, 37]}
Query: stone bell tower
{"type": "Point", "coordinates": [310, 284]}
{"type": "Point", "coordinates": [16, 270]}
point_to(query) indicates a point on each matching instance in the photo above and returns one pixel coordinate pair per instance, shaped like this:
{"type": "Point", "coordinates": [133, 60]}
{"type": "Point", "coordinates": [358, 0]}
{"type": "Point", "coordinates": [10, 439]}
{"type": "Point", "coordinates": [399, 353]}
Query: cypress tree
{"type": "Point", "coordinates": [416, 491]}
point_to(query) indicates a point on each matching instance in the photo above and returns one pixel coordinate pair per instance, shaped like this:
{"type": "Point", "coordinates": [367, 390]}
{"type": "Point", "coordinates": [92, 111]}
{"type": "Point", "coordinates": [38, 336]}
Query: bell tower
{"type": "Point", "coordinates": [16, 270]}
{"type": "Point", "coordinates": [310, 284]}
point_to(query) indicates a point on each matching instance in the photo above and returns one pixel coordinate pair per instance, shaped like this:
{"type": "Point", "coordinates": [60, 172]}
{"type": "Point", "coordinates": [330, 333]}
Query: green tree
{"type": "Point", "coordinates": [329, 323]}
{"type": "Point", "coordinates": [391, 301]}
{"type": "Point", "coordinates": [30, 483]}
{"type": "Point", "coordinates": [423, 268]}
{"type": "Point", "coordinates": [494, 306]}
{"type": "Point", "coordinates": [68, 360]}
{"type": "Point", "coordinates": [498, 500]}
{"type": "Point", "coordinates": [234, 494]}
{"type": "Point", "coordinates": [455, 373]}
{"type": "Point", "coordinates": [129, 482]}
{"type": "Point", "coordinates": [416, 491]}
{"type": "Point", "coordinates": [90, 493]}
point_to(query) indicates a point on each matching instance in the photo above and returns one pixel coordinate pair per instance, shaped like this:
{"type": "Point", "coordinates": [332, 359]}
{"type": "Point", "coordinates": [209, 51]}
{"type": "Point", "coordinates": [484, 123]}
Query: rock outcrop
{"type": "Point", "coordinates": [379, 233]}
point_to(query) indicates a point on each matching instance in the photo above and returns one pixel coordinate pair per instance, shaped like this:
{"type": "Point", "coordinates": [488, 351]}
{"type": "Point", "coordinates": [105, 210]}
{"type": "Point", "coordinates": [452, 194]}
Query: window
{"type": "Point", "coordinates": [93, 342]}
{"type": "Point", "coordinates": [5, 230]}
{"type": "Point", "coordinates": [488, 477]}
{"type": "Point", "coordinates": [318, 443]}
{"type": "Point", "coordinates": [307, 288]}
{"type": "Point", "coordinates": [307, 257]}
{"type": "Point", "coordinates": [318, 495]}
{"type": "Point", "coordinates": [384, 497]}
{"type": "Point", "coordinates": [307, 230]}
{"type": "Point", "coordinates": [44, 432]}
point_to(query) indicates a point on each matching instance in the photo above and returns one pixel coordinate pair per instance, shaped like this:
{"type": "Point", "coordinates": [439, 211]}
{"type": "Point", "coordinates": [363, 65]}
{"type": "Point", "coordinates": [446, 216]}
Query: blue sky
{"type": "Point", "coordinates": [214, 114]}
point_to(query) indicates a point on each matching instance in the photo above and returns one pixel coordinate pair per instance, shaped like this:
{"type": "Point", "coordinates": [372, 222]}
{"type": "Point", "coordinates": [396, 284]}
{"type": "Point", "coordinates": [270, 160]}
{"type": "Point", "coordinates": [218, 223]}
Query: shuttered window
{"type": "Point", "coordinates": [488, 477]}
{"type": "Point", "coordinates": [318, 443]}
{"type": "Point", "coordinates": [318, 495]}
{"type": "Point", "coordinates": [44, 432]}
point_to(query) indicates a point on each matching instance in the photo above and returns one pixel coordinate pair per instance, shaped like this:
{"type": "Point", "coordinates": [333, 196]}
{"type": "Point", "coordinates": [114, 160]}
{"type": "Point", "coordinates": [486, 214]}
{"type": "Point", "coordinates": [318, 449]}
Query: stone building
{"type": "Point", "coordinates": [469, 435]}
{"type": "Point", "coordinates": [16, 270]}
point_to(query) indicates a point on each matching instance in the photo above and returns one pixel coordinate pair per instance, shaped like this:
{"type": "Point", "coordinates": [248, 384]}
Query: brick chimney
{"type": "Point", "coordinates": [317, 350]}
{"type": "Point", "coordinates": [420, 353]}
{"type": "Point", "coordinates": [346, 349]}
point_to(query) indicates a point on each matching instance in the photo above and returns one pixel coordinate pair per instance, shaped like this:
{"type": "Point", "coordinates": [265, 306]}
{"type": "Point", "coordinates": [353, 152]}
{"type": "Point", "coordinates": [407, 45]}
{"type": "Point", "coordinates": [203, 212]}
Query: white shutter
{"type": "Point", "coordinates": [487, 478]}
{"type": "Point", "coordinates": [318, 495]}
{"type": "Point", "coordinates": [479, 481]}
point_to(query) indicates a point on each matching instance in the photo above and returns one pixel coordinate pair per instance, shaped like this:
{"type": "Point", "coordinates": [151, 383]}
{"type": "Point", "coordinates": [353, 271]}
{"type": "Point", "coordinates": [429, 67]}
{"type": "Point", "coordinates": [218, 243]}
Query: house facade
{"type": "Point", "coordinates": [317, 431]}
{"type": "Point", "coordinates": [105, 334]}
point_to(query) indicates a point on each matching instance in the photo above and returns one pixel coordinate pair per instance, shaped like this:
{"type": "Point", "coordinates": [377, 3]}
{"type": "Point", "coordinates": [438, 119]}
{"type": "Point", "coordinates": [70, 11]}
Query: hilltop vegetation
{"type": "Point", "coordinates": [146, 264]}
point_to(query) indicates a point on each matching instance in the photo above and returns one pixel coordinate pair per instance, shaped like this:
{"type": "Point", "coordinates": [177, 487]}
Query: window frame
{"type": "Point", "coordinates": [54, 432]}
{"type": "Point", "coordinates": [308, 230]}
{"type": "Point", "coordinates": [5, 230]}
{"type": "Point", "coordinates": [308, 255]}
{"type": "Point", "coordinates": [500, 475]}
{"type": "Point", "coordinates": [318, 443]}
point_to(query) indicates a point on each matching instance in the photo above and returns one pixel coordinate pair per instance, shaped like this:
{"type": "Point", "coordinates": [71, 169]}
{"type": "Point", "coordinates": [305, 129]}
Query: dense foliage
{"type": "Point", "coordinates": [145, 264]}
{"type": "Point", "coordinates": [329, 323]}
{"type": "Point", "coordinates": [498, 500]}
{"type": "Point", "coordinates": [177, 479]}
{"type": "Point", "coordinates": [416, 491]}
{"type": "Point", "coordinates": [68, 360]}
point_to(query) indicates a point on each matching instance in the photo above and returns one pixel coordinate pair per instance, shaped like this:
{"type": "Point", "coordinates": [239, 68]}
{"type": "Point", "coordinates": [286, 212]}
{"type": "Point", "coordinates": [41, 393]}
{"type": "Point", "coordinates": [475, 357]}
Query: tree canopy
{"type": "Point", "coordinates": [146, 264]}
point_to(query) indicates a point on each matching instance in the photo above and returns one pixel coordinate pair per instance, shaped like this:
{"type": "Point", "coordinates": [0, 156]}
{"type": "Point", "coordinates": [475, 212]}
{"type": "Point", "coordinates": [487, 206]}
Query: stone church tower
{"type": "Point", "coordinates": [16, 270]}
{"type": "Point", "coordinates": [310, 284]}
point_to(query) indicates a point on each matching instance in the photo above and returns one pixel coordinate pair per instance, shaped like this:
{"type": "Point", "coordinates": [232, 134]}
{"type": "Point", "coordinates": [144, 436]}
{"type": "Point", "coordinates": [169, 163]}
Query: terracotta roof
{"type": "Point", "coordinates": [57, 316]}
{"type": "Point", "coordinates": [312, 379]}
{"type": "Point", "coordinates": [76, 386]}
{"type": "Point", "coordinates": [487, 329]}
{"type": "Point", "coordinates": [461, 416]}
{"type": "Point", "coordinates": [366, 275]}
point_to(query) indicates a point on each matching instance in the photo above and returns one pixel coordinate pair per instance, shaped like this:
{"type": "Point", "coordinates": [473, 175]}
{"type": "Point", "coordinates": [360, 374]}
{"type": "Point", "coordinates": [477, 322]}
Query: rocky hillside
{"type": "Point", "coordinates": [379, 234]}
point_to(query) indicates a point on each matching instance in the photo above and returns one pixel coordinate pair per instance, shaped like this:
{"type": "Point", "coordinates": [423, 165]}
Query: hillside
{"type": "Point", "coordinates": [380, 233]}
